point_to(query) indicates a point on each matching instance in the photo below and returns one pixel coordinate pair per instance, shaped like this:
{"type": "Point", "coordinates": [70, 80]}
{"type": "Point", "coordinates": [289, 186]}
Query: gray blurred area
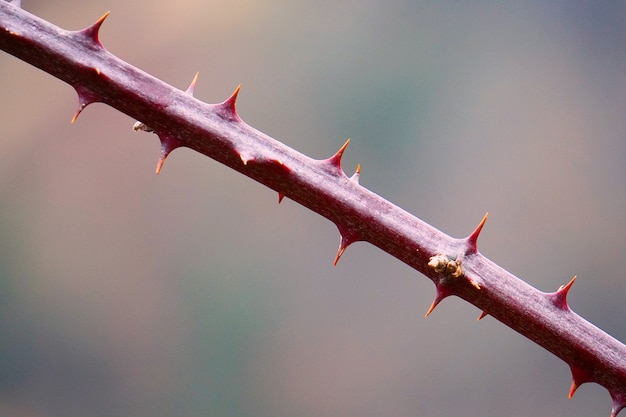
{"type": "Point", "coordinates": [193, 293]}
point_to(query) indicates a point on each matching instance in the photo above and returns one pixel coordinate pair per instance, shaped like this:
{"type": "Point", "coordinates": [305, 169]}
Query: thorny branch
{"type": "Point", "coordinates": [454, 265]}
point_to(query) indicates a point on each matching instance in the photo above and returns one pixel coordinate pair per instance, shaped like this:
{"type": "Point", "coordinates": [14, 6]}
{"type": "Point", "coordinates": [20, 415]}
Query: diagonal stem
{"type": "Point", "coordinates": [215, 130]}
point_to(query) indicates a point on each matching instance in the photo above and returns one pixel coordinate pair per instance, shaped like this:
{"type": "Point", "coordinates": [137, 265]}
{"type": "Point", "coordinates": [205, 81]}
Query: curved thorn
{"type": "Point", "coordinates": [168, 144]}
{"type": "Point", "coordinates": [343, 245]}
{"type": "Point", "coordinates": [432, 307]}
{"type": "Point", "coordinates": [482, 315]}
{"type": "Point", "coordinates": [78, 111]}
{"type": "Point", "coordinates": [347, 238]}
{"type": "Point", "coordinates": [472, 239]}
{"type": "Point", "coordinates": [559, 298]}
{"type": "Point", "coordinates": [85, 98]}
{"type": "Point", "coordinates": [579, 377]}
{"type": "Point", "coordinates": [436, 302]}
{"type": "Point", "coordinates": [160, 165]}
{"type": "Point", "coordinates": [281, 196]}
{"type": "Point", "coordinates": [340, 252]}
{"type": "Point", "coordinates": [192, 86]}
{"type": "Point", "coordinates": [572, 390]}
{"type": "Point", "coordinates": [564, 289]}
{"type": "Point", "coordinates": [335, 160]}
{"type": "Point", "coordinates": [441, 294]}
{"type": "Point", "coordinates": [91, 32]}
{"type": "Point", "coordinates": [228, 108]}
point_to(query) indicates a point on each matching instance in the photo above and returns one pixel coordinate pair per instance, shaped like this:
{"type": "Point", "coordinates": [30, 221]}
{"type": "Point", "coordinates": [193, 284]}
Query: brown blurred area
{"type": "Point", "coordinates": [193, 293]}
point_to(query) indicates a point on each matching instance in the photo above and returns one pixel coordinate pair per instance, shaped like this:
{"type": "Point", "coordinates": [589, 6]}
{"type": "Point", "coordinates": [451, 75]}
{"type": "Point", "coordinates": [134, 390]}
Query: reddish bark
{"type": "Point", "coordinates": [215, 130]}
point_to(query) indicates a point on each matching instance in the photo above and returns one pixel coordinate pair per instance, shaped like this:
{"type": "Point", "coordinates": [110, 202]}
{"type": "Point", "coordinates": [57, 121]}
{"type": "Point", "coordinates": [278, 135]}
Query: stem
{"type": "Point", "coordinates": [215, 130]}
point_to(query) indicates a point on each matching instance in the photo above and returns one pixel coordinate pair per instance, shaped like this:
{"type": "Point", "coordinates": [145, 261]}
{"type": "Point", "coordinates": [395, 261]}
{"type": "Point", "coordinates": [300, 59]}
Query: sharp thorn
{"type": "Point", "coordinates": [280, 197]}
{"type": "Point", "coordinates": [482, 315]}
{"type": "Point", "coordinates": [472, 239]}
{"type": "Point", "coordinates": [160, 165]}
{"type": "Point", "coordinates": [168, 144]}
{"type": "Point", "coordinates": [559, 298]}
{"type": "Point", "coordinates": [235, 94]}
{"type": "Point", "coordinates": [441, 294]}
{"type": "Point", "coordinates": [564, 289]}
{"type": "Point", "coordinates": [80, 109]}
{"type": "Point", "coordinates": [341, 150]}
{"type": "Point", "coordinates": [91, 32]}
{"type": "Point", "coordinates": [432, 307]}
{"type": "Point", "coordinates": [579, 377]}
{"type": "Point", "coordinates": [572, 390]}
{"type": "Point", "coordinates": [192, 86]}
{"type": "Point", "coordinates": [100, 21]}
{"type": "Point", "coordinates": [435, 303]}
{"type": "Point", "coordinates": [85, 98]}
{"type": "Point", "coordinates": [340, 252]}
{"type": "Point", "coordinates": [347, 238]}
{"type": "Point", "coordinates": [334, 162]}
{"type": "Point", "coordinates": [336, 158]}
{"type": "Point", "coordinates": [228, 108]}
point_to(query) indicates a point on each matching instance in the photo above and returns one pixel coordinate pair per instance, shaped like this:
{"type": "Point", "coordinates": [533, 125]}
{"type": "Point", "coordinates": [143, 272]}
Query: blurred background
{"type": "Point", "coordinates": [193, 293]}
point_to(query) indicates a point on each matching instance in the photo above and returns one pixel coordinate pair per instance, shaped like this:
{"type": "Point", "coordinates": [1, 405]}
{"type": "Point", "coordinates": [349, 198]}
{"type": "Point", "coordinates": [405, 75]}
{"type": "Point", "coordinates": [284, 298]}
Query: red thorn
{"type": "Point", "coordinates": [579, 377]}
{"type": "Point", "coordinates": [342, 249]}
{"type": "Point", "coordinates": [85, 98]}
{"type": "Point", "coordinates": [81, 106]}
{"type": "Point", "coordinates": [573, 389]}
{"type": "Point", "coordinates": [482, 315]}
{"type": "Point", "coordinates": [168, 144]}
{"type": "Point", "coordinates": [442, 293]}
{"type": "Point", "coordinates": [335, 160]}
{"type": "Point", "coordinates": [228, 108]}
{"type": "Point", "coordinates": [192, 86]}
{"type": "Point", "coordinates": [565, 288]}
{"type": "Point", "coordinates": [559, 298]}
{"type": "Point", "coordinates": [472, 239]}
{"type": "Point", "coordinates": [347, 238]}
{"type": "Point", "coordinates": [280, 197]}
{"type": "Point", "coordinates": [91, 32]}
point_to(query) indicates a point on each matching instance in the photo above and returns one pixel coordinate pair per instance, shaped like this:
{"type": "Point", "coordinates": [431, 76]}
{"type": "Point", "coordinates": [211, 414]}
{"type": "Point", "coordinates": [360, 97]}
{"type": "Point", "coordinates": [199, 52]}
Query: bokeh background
{"type": "Point", "coordinates": [193, 293]}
